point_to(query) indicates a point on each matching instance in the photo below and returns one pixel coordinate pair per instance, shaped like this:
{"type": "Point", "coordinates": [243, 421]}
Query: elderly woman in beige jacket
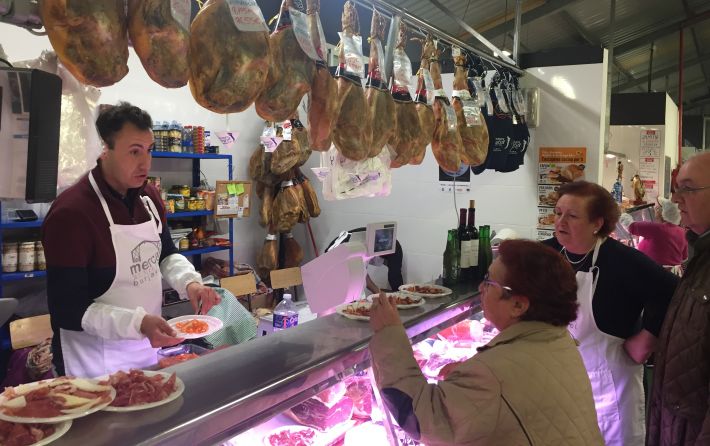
{"type": "Point", "coordinates": [528, 386]}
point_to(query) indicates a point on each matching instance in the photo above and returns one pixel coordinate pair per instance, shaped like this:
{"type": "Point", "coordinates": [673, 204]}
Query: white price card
{"type": "Point", "coordinates": [247, 15]}
{"type": "Point", "coordinates": [300, 30]}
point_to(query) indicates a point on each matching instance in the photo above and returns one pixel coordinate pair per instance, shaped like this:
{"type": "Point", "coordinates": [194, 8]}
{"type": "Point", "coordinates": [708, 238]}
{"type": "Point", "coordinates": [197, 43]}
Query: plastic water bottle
{"type": "Point", "coordinates": [285, 314]}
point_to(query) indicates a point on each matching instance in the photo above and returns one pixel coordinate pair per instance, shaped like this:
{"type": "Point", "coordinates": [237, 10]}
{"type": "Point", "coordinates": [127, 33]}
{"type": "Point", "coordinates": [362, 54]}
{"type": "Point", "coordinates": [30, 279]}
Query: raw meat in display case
{"type": "Point", "coordinates": [347, 413]}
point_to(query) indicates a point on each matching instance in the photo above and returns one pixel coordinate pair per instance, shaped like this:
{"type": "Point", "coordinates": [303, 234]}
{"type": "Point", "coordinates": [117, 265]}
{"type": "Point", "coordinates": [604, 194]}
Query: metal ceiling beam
{"type": "Point", "coordinates": [592, 40]}
{"type": "Point", "coordinates": [504, 17]}
{"type": "Point", "coordinates": [694, 35]}
{"type": "Point", "coordinates": [550, 7]}
{"type": "Point", "coordinates": [660, 73]}
{"type": "Point", "coordinates": [662, 32]}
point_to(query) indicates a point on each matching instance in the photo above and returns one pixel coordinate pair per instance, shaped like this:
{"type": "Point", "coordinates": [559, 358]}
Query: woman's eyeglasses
{"type": "Point", "coordinates": [489, 282]}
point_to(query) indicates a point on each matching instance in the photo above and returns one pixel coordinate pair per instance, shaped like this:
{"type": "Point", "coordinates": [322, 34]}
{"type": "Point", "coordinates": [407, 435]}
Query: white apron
{"type": "Point", "coordinates": [137, 283]}
{"type": "Point", "coordinates": [617, 381]}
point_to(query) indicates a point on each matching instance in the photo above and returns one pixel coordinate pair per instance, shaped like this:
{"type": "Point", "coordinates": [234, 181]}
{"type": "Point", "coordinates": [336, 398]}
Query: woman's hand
{"type": "Point", "coordinates": [383, 313]}
{"type": "Point", "coordinates": [197, 293]}
{"type": "Point", "coordinates": [640, 346]}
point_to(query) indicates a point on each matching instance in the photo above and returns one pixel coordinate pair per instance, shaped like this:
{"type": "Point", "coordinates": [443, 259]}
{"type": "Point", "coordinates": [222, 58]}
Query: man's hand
{"type": "Point", "coordinates": [383, 313]}
{"type": "Point", "coordinates": [640, 346]}
{"type": "Point", "coordinates": [159, 332]}
{"type": "Point", "coordinates": [197, 293]}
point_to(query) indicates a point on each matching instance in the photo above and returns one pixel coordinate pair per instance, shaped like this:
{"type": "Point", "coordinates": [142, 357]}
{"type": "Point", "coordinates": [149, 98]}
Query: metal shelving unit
{"type": "Point", "coordinates": [194, 253]}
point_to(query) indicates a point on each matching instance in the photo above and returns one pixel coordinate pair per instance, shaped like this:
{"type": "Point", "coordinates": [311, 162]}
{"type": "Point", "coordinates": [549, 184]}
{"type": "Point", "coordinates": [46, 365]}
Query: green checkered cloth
{"type": "Point", "coordinates": [239, 324]}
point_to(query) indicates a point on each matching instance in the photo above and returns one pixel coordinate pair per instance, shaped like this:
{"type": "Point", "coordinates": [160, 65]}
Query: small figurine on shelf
{"type": "Point", "coordinates": [617, 191]}
{"type": "Point", "coordinates": [639, 190]}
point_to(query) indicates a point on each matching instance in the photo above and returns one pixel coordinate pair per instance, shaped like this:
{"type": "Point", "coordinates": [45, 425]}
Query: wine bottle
{"type": "Point", "coordinates": [485, 253]}
{"type": "Point", "coordinates": [451, 258]}
{"type": "Point", "coordinates": [472, 232]}
{"type": "Point", "coordinates": [464, 246]}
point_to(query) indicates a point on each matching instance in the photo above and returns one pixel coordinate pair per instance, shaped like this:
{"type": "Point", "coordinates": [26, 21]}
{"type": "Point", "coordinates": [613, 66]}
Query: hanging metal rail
{"type": "Point", "coordinates": [421, 25]}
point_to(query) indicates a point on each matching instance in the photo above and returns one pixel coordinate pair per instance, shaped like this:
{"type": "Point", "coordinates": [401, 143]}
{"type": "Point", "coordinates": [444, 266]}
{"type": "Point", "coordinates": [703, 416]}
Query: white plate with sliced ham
{"type": "Point", "coordinates": [425, 290]}
{"type": "Point", "coordinates": [55, 400]}
{"type": "Point", "coordinates": [403, 301]}
{"type": "Point", "coordinates": [34, 434]}
{"type": "Point", "coordinates": [143, 389]}
{"type": "Point", "coordinates": [358, 310]}
{"type": "Point", "coordinates": [193, 326]}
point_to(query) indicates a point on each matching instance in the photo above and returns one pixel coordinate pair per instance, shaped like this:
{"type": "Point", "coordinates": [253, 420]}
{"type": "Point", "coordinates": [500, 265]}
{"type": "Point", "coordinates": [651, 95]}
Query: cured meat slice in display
{"type": "Point", "coordinates": [17, 434]}
{"type": "Point", "coordinates": [90, 38]}
{"type": "Point", "coordinates": [379, 99]}
{"type": "Point", "coordinates": [474, 139]}
{"type": "Point", "coordinates": [228, 66]}
{"type": "Point", "coordinates": [352, 134]}
{"type": "Point", "coordinates": [325, 410]}
{"type": "Point", "coordinates": [290, 73]}
{"type": "Point", "coordinates": [424, 110]}
{"type": "Point", "coordinates": [408, 132]}
{"type": "Point", "coordinates": [135, 388]}
{"type": "Point", "coordinates": [161, 39]}
{"type": "Point", "coordinates": [446, 142]}
{"type": "Point", "coordinates": [324, 104]}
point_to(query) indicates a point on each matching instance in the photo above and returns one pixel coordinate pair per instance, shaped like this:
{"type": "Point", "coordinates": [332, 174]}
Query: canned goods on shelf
{"type": "Point", "coordinates": [9, 257]}
{"type": "Point", "coordinates": [26, 256]}
{"type": "Point", "coordinates": [40, 261]}
{"type": "Point", "coordinates": [184, 244]}
{"type": "Point", "coordinates": [192, 204]}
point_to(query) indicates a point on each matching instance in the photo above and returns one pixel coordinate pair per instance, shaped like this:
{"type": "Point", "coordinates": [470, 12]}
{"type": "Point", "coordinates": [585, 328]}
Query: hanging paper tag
{"type": "Point", "coordinates": [455, 51]}
{"type": "Point", "coordinates": [480, 95]}
{"type": "Point", "coordinates": [247, 15]}
{"type": "Point", "coordinates": [181, 11]}
{"type": "Point", "coordinates": [402, 69]}
{"type": "Point", "coordinates": [472, 113]}
{"type": "Point", "coordinates": [429, 85]}
{"type": "Point", "coordinates": [451, 117]}
{"type": "Point", "coordinates": [227, 138]}
{"type": "Point", "coordinates": [520, 104]}
{"type": "Point", "coordinates": [352, 46]}
{"type": "Point", "coordinates": [440, 93]}
{"type": "Point", "coordinates": [300, 29]}
{"type": "Point", "coordinates": [380, 61]}
{"type": "Point", "coordinates": [270, 143]}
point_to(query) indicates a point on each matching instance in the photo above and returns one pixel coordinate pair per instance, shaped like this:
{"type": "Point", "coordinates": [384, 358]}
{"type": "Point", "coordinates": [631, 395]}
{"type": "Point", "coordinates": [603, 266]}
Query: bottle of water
{"type": "Point", "coordinates": [285, 314]}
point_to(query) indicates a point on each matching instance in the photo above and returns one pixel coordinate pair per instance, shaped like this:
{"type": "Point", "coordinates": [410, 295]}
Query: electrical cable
{"type": "Point", "coordinates": [6, 62]}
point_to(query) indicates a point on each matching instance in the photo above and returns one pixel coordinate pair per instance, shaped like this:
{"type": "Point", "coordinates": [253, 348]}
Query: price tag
{"type": "Point", "coordinates": [270, 143]}
{"type": "Point", "coordinates": [455, 51]}
{"type": "Point", "coordinates": [287, 130]}
{"type": "Point", "coordinates": [247, 15]}
{"type": "Point", "coordinates": [451, 117]}
{"type": "Point", "coordinates": [300, 29]}
{"type": "Point", "coordinates": [227, 138]}
{"type": "Point", "coordinates": [240, 285]}
{"type": "Point", "coordinates": [402, 69]}
{"type": "Point", "coordinates": [464, 95]}
{"type": "Point", "coordinates": [287, 277]}
{"type": "Point", "coordinates": [472, 113]}
{"type": "Point", "coordinates": [181, 11]}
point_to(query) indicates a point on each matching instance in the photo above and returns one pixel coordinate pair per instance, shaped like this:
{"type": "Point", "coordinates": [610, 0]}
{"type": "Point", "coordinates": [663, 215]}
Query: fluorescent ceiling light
{"type": "Point", "coordinates": [506, 53]}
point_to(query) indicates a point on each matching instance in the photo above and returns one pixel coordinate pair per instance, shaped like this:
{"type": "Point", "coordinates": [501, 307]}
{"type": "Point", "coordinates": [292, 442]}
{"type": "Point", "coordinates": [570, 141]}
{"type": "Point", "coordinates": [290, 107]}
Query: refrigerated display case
{"type": "Point", "coordinates": [241, 393]}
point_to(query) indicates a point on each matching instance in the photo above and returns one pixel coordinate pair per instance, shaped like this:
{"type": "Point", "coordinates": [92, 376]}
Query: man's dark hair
{"type": "Point", "coordinates": [112, 119]}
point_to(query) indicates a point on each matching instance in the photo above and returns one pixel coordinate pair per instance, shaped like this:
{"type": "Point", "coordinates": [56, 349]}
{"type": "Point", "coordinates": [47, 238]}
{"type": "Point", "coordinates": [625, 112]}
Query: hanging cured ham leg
{"type": "Point", "coordinates": [474, 139]}
{"type": "Point", "coordinates": [352, 134]}
{"type": "Point", "coordinates": [89, 37]}
{"type": "Point", "coordinates": [290, 73]}
{"type": "Point", "coordinates": [408, 131]}
{"type": "Point", "coordinates": [424, 110]}
{"type": "Point", "coordinates": [324, 106]}
{"type": "Point", "coordinates": [160, 40]}
{"type": "Point", "coordinates": [228, 66]}
{"type": "Point", "coordinates": [446, 143]}
{"type": "Point", "coordinates": [379, 99]}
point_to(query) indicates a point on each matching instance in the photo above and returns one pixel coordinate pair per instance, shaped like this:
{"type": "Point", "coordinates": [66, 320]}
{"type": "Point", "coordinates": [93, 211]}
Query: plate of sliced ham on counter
{"type": "Point", "coordinates": [33, 434]}
{"type": "Point", "coordinates": [425, 290]}
{"type": "Point", "coordinates": [143, 389]}
{"type": "Point", "coordinates": [54, 400]}
{"type": "Point", "coordinates": [193, 326]}
{"type": "Point", "coordinates": [358, 310]}
{"type": "Point", "coordinates": [402, 300]}
{"type": "Point", "coordinates": [292, 436]}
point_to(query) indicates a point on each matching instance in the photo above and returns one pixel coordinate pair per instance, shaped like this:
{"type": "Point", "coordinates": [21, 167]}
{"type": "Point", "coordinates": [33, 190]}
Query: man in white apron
{"type": "Point", "coordinates": [108, 247]}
